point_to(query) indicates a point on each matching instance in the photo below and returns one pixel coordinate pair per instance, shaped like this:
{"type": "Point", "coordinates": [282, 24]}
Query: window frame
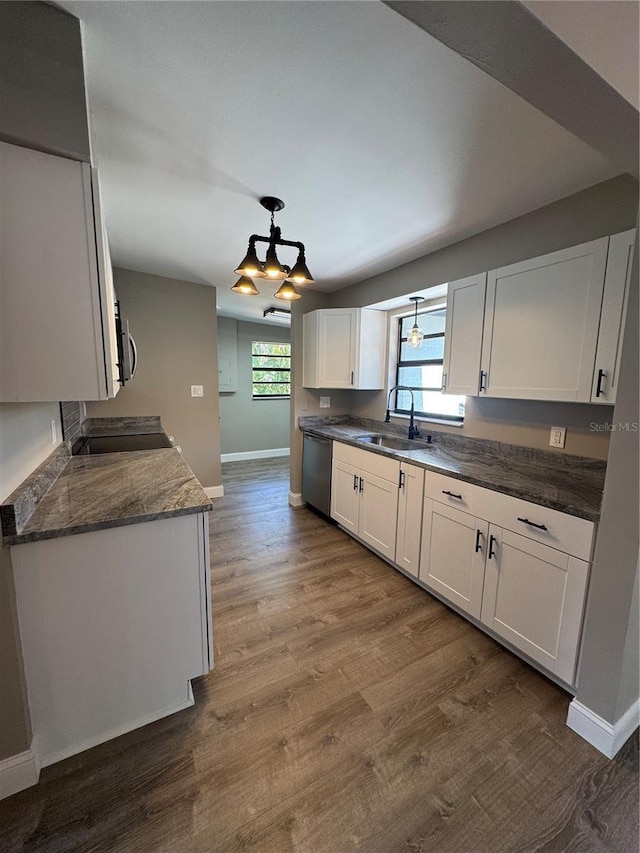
{"type": "Point", "coordinates": [287, 370]}
{"type": "Point", "coordinates": [457, 420]}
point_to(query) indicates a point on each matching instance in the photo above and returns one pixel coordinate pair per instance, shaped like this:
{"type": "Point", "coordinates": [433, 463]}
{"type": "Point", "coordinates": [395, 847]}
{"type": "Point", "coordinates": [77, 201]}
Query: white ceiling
{"type": "Point", "coordinates": [384, 144]}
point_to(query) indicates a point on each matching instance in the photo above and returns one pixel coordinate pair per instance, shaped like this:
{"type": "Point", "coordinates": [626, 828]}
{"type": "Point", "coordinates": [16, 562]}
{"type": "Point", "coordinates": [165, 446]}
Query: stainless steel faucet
{"type": "Point", "coordinates": [414, 432]}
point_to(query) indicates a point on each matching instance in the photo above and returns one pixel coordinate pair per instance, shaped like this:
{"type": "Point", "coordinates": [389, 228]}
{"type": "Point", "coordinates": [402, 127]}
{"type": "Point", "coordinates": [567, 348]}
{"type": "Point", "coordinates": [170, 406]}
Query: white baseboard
{"type": "Point", "coordinates": [604, 736]}
{"type": "Point", "coordinates": [17, 773]}
{"type": "Point", "coordinates": [295, 499]}
{"type": "Point", "coordinates": [53, 758]}
{"type": "Point", "coordinates": [255, 454]}
{"type": "Point", "coordinates": [214, 491]}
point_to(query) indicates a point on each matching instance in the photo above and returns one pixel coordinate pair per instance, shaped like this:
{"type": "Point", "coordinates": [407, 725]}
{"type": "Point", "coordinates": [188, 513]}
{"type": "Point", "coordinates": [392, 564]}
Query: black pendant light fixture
{"type": "Point", "coordinates": [251, 267]}
{"type": "Point", "coordinates": [415, 336]}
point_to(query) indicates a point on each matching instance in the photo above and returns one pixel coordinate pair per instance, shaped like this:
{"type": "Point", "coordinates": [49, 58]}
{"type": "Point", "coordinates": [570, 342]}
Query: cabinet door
{"type": "Point", "coordinates": [534, 599]}
{"type": "Point", "coordinates": [409, 528]}
{"type": "Point", "coordinates": [614, 309]}
{"type": "Point", "coordinates": [337, 332]}
{"type": "Point", "coordinates": [541, 325]}
{"type": "Point", "coordinates": [453, 555]}
{"type": "Point", "coordinates": [345, 494]}
{"type": "Point", "coordinates": [463, 335]}
{"type": "Point", "coordinates": [378, 514]}
{"type": "Point", "coordinates": [371, 338]}
{"type": "Point", "coordinates": [51, 332]}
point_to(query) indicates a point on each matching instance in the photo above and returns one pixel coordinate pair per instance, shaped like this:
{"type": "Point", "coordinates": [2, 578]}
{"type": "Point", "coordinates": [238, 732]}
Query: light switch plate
{"type": "Point", "coordinates": [197, 391]}
{"type": "Point", "coordinates": [558, 436]}
{"type": "Point", "coordinates": [325, 402]}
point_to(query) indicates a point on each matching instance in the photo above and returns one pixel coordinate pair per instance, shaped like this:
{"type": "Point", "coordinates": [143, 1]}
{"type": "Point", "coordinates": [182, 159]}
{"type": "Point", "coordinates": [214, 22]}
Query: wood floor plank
{"type": "Point", "coordinates": [349, 712]}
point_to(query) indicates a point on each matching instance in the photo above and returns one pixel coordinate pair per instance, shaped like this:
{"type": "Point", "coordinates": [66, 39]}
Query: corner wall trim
{"type": "Point", "coordinates": [604, 736]}
{"type": "Point", "coordinates": [17, 773]}
{"type": "Point", "coordinates": [255, 454]}
{"type": "Point", "coordinates": [295, 499]}
{"type": "Point", "coordinates": [214, 491]}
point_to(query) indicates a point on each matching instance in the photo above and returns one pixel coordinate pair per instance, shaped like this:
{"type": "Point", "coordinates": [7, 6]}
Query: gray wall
{"type": "Point", "coordinates": [608, 675]}
{"type": "Point", "coordinates": [42, 80]}
{"type": "Point", "coordinates": [174, 324]}
{"type": "Point", "coordinates": [25, 442]}
{"type": "Point", "coordinates": [247, 424]}
{"type": "Point", "coordinates": [606, 208]}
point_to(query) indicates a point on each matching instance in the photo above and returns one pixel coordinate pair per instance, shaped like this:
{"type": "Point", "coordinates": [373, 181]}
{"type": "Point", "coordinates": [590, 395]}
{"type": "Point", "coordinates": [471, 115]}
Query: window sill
{"type": "Point", "coordinates": [421, 419]}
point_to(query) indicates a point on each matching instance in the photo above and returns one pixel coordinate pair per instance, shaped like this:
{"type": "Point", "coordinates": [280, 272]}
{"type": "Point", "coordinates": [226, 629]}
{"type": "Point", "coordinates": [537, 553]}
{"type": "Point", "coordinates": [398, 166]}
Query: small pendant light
{"type": "Point", "coordinates": [287, 291]}
{"type": "Point", "coordinates": [415, 336]}
{"type": "Point", "coordinates": [245, 286]}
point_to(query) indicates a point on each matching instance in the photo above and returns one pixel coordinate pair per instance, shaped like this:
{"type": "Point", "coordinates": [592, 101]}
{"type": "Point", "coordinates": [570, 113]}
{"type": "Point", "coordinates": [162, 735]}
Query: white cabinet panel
{"type": "Point", "coordinates": [541, 325]}
{"type": "Point", "coordinates": [56, 302]}
{"type": "Point", "coordinates": [409, 529]}
{"type": "Point", "coordinates": [614, 309]}
{"type": "Point", "coordinates": [364, 496]}
{"type": "Point", "coordinates": [534, 598]}
{"type": "Point", "coordinates": [113, 625]}
{"type": "Point", "coordinates": [378, 514]}
{"type": "Point", "coordinates": [344, 348]}
{"type": "Point", "coordinates": [453, 555]}
{"type": "Point", "coordinates": [463, 335]}
{"type": "Point", "coordinates": [345, 494]}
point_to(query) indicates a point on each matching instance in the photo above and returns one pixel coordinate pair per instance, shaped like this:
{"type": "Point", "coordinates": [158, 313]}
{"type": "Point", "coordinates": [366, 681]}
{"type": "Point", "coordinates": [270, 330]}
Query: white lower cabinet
{"type": "Point", "coordinates": [113, 625]}
{"type": "Point", "coordinates": [454, 545]}
{"type": "Point", "coordinates": [522, 588]}
{"type": "Point", "coordinates": [518, 568]}
{"type": "Point", "coordinates": [364, 496]}
{"type": "Point", "coordinates": [409, 527]}
{"type": "Point", "coordinates": [534, 598]}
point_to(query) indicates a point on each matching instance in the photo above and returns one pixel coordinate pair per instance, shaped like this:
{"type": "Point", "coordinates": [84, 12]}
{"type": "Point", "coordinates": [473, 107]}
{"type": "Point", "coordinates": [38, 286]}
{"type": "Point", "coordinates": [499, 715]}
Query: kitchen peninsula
{"type": "Point", "coordinates": [111, 569]}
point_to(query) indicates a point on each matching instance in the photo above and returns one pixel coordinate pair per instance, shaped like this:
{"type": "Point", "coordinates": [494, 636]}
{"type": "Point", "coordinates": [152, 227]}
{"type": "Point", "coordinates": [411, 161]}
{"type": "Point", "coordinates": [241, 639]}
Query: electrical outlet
{"type": "Point", "coordinates": [54, 433]}
{"type": "Point", "coordinates": [325, 402]}
{"type": "Point", "coordinates": [197, 391]}
{"type": "Point", "coordinates": [558, 435]}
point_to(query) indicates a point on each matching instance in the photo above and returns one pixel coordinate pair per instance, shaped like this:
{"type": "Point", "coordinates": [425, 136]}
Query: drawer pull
{"type": "Point", "coordinates": [361, 484]}
{"type": "Point", "coordinates": [483, 380]}
{"type": "Point", "coordinates": [355, 482]}
{"type": "Point", "coordinates": [492, 541]}
{"type": "Point", "coordinates": [601, 375]}
{"type": "Point", "coordinates": [451, 494]}
{"type": "Point", "coordinates": [478, 538]}
{"type": "Point", "coordinates": [533, 524]}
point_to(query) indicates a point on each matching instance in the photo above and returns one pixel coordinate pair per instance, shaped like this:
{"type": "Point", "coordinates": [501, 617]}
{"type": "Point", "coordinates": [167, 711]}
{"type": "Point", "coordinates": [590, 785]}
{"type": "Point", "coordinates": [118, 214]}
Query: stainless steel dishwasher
{"type": "Point", "coordinates": [316, 472]}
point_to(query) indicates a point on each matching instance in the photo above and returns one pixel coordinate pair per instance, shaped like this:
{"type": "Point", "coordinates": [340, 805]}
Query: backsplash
{"type": "Point", "coordinates": [71, 417]}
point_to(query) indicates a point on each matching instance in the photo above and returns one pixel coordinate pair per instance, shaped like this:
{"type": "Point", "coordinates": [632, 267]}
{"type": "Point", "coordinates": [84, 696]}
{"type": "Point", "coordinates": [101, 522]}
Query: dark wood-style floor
{"type": "Point", "coordinates": [348, 711]}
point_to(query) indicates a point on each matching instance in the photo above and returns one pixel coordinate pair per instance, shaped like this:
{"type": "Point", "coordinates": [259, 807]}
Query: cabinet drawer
{"type": "Point", "coordinates": [365, 460]}
{"type": "Point", "coordinates": [564, 532]}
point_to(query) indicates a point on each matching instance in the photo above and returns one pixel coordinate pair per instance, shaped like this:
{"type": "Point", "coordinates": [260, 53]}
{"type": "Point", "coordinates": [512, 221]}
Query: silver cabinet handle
{"type": "Point", "coordinates": [483, 380]}
{"type": "Point", "coordinates": [444, 381]}
{"type": "Point", "coordinates": [355, 482]}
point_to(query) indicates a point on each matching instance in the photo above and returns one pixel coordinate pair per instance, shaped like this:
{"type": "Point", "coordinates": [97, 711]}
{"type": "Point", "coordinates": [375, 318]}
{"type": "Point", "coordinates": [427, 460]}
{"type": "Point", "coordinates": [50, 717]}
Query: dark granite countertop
{"type": "Point", "coordinates": [571, 484]}
{"type": "Point", "coordinates": [78, 494]}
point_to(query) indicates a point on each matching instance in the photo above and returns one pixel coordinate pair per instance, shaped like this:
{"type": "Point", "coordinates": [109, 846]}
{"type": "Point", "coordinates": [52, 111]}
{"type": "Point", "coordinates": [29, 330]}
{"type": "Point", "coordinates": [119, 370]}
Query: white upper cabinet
{"type": "Point", "coordinates": [614, 308]}
{"type": "Point", "coordinates": [463, 335]}
{"type": "Point", "coordinates": [57, 312]}
{"type": "Point", "coordinates": [541, 325]}
{"type": "Point", "coordinates": [344, 348]}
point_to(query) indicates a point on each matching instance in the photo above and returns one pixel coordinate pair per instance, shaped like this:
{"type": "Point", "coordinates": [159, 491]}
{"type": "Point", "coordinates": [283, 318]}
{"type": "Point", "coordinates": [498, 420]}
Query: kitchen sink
{"type": "Point", "coordinates": [392, 442]}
